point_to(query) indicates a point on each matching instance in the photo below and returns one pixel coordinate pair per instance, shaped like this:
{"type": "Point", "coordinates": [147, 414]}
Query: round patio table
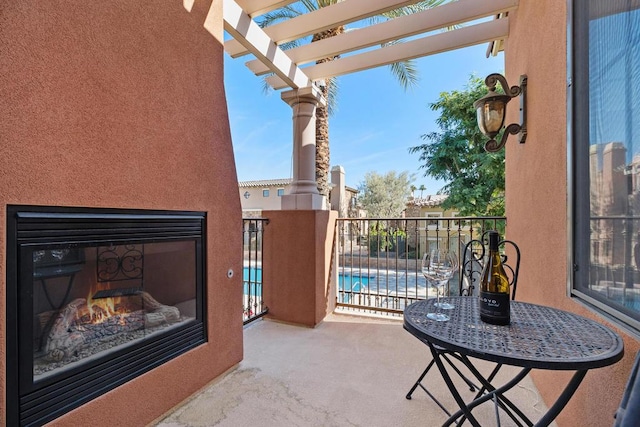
{"type": "Point", "coordinates": [538, 337]}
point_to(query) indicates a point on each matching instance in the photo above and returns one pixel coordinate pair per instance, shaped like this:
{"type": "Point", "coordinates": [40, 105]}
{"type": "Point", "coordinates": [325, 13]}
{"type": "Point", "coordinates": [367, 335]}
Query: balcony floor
{"type": "Point", "coordinates": [348, 371]}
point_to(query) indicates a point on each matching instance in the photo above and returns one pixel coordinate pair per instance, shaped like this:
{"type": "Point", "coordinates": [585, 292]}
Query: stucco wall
{"type": "Point", "coordinates": [297, 259]}
{"type": "Point", "coordinates": [536, 198]}
{"type": "Point", "coordinates": [121, 104]}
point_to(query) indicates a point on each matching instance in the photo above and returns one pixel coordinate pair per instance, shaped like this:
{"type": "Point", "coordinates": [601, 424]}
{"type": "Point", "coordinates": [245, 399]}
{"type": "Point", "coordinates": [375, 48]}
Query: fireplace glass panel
{"type": "Point", "coordinates": [95, 298]}
{"type": "Point", "coordinates": [90, 300]}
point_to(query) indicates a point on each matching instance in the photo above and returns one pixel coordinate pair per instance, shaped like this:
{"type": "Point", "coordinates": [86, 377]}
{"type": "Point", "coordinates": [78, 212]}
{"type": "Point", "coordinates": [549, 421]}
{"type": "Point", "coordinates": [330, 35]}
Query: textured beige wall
{"type": "Point", "coordinates": [121, 104]}
{"type": "Point", "coordinates": [536, 198]}
{"type": "Point", "coordinates": [258, 202]}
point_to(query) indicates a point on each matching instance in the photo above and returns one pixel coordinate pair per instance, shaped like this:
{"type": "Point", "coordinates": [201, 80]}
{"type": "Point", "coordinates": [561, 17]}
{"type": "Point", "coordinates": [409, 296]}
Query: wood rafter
{"type": "Point", "coordinates": [448, 15]}
{"type": "Point", "coordinates": [255, 8]}
{"type": "Point", "coordinates": [322, 19]}
{"type": "Point", "coordinates": [248, 37]}
{"type": "Point", "coordinates": [244, 29]}
{"type": "Point", "coordinates": [430, 45]}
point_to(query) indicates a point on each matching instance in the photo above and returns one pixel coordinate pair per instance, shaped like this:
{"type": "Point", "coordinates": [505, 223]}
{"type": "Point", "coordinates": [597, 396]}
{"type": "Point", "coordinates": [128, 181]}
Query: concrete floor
{"type": "Point", "coordinates": [348, 371]}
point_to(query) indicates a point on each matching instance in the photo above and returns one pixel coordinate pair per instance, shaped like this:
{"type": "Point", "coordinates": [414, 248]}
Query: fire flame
{"type": "Point", "coordinates": [102, 309]}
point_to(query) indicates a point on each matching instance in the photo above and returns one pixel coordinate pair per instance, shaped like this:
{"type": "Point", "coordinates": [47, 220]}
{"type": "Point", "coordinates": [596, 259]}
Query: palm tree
{"type": "Point", "coordinates": [405, 71]}
{"type": "Point", "coordinates": [422, 188]}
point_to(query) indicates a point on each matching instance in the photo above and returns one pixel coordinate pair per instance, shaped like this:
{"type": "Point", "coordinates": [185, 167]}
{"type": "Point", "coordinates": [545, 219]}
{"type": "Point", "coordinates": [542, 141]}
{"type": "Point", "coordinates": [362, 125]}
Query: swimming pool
{"type": "Point", "coordinates": [252, 280]}
{"type": "Point", "coordinates": [353, 282]}
{"type": "Point", "coordinates": [252, 276]}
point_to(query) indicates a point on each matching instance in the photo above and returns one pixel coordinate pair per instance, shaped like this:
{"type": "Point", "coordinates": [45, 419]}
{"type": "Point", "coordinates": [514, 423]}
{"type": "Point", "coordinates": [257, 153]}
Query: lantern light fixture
{"type": "Point", "coordinates": [492, 109]}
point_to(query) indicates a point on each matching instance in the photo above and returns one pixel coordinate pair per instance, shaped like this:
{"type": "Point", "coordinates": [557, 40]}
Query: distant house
{"type": "Point", "coordinates": [343, 198]}
{"type": "Point", "coordinates": [266, 195]}
{"type": "Point", "coordinates": [428, 206]}
{"type": "Point", "coordinates": [430, 231]}
{"type": "Point", "coordinates": [262, 195]}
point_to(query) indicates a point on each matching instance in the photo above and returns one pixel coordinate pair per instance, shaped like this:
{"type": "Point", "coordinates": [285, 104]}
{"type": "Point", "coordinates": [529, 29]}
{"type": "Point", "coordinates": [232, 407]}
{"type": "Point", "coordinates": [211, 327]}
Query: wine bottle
{"type": "Point", "coordinates": [494, 286]}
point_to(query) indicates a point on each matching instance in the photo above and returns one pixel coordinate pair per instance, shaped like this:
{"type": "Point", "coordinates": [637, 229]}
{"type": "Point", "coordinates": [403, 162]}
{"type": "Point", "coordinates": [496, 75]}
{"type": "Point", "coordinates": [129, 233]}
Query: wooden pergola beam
{"type": "Point", "coordinates": [319, 20]}
{"type": "Point", "coordinates": [447, 15]}
{"type": "Point", "coordinates": [255, 8]}
{"type": "Point", "coordinates": [246, 31]}
{"type": "Point", "coordinates": [425, 46]}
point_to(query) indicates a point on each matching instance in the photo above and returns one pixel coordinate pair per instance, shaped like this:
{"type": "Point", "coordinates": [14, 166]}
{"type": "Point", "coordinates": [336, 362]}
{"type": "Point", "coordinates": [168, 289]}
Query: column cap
{"type": "Point", "coordinates": [309, 94]}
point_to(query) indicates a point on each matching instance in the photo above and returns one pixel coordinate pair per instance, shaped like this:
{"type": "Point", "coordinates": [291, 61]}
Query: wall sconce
{"type": "Point", "coordinates": [492, 109]}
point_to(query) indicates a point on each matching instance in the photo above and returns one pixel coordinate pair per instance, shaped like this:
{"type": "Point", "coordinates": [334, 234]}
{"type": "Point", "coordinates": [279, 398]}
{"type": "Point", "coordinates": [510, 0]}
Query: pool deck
{"type": "Point", "coordinates": [348, 371]}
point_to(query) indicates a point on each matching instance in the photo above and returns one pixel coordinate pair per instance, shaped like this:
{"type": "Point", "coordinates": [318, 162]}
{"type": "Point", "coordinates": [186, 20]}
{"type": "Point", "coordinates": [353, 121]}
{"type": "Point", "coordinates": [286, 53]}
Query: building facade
{"type": "Point", "coordinates": [570, 187]}
{"type": "Point", "coordinates": [266, 195]}
{"type": "Point", "coordinates": [257, 196]}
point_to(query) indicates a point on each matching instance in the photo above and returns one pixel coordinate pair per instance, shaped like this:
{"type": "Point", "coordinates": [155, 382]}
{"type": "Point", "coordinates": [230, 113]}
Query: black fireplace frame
{"type": "Point", "coordinates": [31, 403]}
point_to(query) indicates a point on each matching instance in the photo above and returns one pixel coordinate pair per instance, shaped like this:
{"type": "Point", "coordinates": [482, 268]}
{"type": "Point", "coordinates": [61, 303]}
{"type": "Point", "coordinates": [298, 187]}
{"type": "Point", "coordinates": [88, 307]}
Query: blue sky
{"type": "Point", "coordinates": [375, 124]}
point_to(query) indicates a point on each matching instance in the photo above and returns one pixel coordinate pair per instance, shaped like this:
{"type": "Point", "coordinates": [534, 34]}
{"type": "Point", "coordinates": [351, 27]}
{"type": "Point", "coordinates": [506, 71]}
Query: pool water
{"type": "Point", "coordinates": [253, 277]}
{"type": "Point", "coordinates": [355, 283]}
{"type": "Point", "coordinates": [253, 274]}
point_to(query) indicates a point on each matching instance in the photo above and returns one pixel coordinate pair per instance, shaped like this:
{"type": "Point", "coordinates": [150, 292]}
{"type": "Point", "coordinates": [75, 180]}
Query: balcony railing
{"type": "Point", "coordinates": [379, 258]}
{"type": "Point", "coordinates": [252, 303]}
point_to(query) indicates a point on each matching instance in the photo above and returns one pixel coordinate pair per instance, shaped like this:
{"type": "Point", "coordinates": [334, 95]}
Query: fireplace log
{"type": "Point", "coordinates": [61, 336]}
{"type": "Point", "coordinates": [148, 302]}
{"type": "Point", "coordinates": [165, 315]}
{"type": "Point", "coordinates": [73, 329]}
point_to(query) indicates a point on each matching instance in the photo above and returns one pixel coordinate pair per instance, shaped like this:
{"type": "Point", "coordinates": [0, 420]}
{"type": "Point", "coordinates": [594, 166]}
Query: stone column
{"type": "Point", "coordinates": [304, 193]}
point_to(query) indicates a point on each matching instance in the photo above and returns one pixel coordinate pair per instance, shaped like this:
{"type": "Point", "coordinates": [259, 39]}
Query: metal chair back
{"type": "Point", "coordinates": [473, 258]}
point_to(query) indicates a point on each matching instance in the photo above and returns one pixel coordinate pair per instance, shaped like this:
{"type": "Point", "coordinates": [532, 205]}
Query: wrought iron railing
{"type": "Point", "coordinates": [379, 258]}
{"type": "Point", "coordinates": [252, 302]}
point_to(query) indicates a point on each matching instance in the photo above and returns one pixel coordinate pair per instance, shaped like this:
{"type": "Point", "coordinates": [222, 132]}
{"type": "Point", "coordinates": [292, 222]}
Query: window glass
{"type": "Point", "coordinates": [280, 192]}
{"type": "Point", "coordinates": [265, 193]}
{"type": "Point", "coordinates": [433, 223]}
{"type": "Point", "coordinates": [606, 152]}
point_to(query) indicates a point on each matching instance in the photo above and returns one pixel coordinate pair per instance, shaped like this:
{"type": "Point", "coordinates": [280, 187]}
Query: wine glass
{"type": "Point", "coordinates": [438, 266]}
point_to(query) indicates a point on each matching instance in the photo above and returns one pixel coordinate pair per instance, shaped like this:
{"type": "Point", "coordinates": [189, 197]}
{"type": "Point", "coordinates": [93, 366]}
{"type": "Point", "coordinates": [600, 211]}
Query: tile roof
{"type": "Point", "coordinates": [430, 200]}
{"type": "Point", "coordinates": [266, 183]}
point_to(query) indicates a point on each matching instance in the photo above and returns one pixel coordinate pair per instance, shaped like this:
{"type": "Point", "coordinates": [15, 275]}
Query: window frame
{"type": "Point", "coordinates": [579, 211]}
{"type": "Point", "coordinates": [265, 192]}
{"type": "Point", "coordinates": [433, 220]}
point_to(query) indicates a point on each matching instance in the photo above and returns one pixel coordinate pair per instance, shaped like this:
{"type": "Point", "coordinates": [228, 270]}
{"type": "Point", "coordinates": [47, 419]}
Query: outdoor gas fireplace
{"type": "Point", "coordinates": [96, 297]}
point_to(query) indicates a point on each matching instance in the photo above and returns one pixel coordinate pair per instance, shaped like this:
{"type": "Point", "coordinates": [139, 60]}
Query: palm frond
{"type": "Point", "coordinates": [407, 10]}
{"type": "Point", "coordinates": [325, 3]}
{"type": "Point", "coordinates": [266, 88]}
{"type": "Point", "coordinates": [278, 15]}
{"type": "Point", "coordinates": [406, 72]}
{"type": "Point", "coordinates": [289, 45]}
{"type": "Point", "coordinates": [332, 97]}
{"type": "Point", "coordinates": [310, 5]}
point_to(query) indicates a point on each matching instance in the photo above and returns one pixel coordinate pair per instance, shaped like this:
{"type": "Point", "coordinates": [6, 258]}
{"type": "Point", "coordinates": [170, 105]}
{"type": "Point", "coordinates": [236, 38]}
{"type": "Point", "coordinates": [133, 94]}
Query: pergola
{"type": "Point", "coordinates": [469, 22]}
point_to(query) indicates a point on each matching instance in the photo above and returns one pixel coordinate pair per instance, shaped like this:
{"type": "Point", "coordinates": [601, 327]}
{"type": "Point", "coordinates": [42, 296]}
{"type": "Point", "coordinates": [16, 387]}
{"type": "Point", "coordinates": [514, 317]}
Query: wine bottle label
{"type": "Point", "coordinates": [494, 308]}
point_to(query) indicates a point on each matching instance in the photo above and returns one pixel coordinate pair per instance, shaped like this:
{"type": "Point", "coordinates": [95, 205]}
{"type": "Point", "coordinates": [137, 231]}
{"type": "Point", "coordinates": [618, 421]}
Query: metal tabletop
{"type": "Point", "coordinates": [538, 337]}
